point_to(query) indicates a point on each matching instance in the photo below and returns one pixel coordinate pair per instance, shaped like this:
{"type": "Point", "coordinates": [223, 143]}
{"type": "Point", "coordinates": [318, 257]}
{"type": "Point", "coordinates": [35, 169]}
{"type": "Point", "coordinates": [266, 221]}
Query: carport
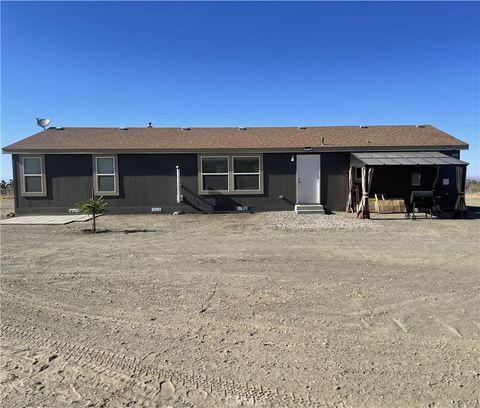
{"type": "Point", "coordinates": [400, 173]}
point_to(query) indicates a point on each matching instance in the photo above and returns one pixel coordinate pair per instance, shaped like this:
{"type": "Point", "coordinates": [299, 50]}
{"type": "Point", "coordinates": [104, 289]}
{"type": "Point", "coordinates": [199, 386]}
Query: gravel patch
{"type": "Point", "coordinates": [289, 220]}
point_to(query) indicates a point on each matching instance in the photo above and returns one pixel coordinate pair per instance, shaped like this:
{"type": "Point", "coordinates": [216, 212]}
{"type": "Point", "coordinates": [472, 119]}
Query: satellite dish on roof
{"type": "Point", "coordinates": [43, 122]}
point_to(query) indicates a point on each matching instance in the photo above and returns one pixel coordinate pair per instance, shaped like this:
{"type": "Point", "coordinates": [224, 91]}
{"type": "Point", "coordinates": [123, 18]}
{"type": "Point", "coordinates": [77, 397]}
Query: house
{"type": "Point", "coordinates": [144, 170]}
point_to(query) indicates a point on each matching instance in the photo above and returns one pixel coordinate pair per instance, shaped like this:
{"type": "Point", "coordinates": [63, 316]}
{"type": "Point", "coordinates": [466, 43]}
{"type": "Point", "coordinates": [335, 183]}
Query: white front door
{"type": "Point", "coordinates": [308, 179]}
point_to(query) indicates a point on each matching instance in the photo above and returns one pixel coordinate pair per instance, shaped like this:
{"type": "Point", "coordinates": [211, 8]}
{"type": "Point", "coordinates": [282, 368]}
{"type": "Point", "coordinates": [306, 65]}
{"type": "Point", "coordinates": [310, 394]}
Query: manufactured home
{"type": "Point", "coordinates": [145, 170]}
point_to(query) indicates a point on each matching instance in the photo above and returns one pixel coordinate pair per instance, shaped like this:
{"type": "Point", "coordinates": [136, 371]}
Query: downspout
{"type": "Point", "coordinates": [179, 185]}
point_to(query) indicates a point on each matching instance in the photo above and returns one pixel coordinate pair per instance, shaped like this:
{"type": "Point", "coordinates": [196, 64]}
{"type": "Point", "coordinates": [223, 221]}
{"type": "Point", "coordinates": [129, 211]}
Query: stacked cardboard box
{"type": "Point", "coordinates": [395, 205]}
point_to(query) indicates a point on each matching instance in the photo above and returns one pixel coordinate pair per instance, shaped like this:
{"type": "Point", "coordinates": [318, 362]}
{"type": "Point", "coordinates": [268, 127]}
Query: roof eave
{"type": "Point", "coordinates": [326, 148]}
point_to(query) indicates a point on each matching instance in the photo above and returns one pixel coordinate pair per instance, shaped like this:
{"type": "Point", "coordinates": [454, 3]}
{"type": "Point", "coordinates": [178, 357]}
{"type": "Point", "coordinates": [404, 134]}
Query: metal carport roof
{"type": "Point", "coordinates": [404, 159]}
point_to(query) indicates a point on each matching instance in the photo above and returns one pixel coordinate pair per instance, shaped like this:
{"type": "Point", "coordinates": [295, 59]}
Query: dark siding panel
{"type": "Point", "coordinates": [334, 182]}
{"type": "Point", "coordinates": [147, 181]}
{"type": "Point", "coordinates": [279, 179]}
{"type": "Point", "coordinates": [69, 180]}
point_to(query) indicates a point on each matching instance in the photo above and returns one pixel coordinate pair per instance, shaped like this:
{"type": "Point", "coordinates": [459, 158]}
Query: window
{"type": "Point", "coordinates": [105, 175]}
{"type": "Point", "coordinates": [215, 173]}
{"type": "Point", "coordinates": [416, 179]}
{"type": "Point", "coordinates": [246, 173]}
{"type": "Point", "coordinates": [32, 176]}
{"type": "Point", "coordinates": [230, 174]}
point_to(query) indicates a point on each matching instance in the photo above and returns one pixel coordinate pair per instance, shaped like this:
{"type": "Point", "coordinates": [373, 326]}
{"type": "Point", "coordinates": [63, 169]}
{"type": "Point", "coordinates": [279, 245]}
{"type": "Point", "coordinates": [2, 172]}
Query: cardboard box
{"type": "Point", "coordinates": [390, 206]}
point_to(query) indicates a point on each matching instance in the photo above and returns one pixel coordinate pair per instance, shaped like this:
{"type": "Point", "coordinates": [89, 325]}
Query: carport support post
{"type": "Point", "coordinates": [460, 205]}
{"type": "Point", "coordinates": [365, 190]}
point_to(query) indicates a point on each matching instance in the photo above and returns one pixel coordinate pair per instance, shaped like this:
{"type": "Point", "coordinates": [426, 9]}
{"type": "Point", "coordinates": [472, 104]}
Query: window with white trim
{"type": "Point", "coordinates": [106, 175]}
{"type": "Point", "coordinates": [230, 174]}
{"type": "Point", "coordinates": [33, 176]}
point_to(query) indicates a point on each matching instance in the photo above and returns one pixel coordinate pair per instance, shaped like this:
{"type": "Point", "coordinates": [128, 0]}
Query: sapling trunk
{"type": "Point", "coordinates": [94, 207]}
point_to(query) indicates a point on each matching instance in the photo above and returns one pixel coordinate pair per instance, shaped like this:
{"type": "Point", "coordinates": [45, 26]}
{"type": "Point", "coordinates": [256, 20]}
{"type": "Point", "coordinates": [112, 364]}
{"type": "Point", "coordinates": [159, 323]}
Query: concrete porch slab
{"type": "Point", "coordinates": [45, 219]}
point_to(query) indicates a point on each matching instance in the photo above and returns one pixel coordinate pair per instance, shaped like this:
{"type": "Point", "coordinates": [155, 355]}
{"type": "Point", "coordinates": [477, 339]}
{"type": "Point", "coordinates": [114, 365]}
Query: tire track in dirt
{"type": "Point", "coordinates": [134, 375]}
{"type": "Point", "coordinates": [208, 302]}
{"type": "Point", "coordinates": [450, 328]}
{"type": "Point", "coordinates": [401, 326]}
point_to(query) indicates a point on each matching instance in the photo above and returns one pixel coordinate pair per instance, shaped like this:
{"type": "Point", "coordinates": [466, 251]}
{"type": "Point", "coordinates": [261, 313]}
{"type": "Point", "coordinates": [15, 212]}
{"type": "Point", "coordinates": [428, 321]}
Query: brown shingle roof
{"type": "Point", "coordinates": [281, 138]}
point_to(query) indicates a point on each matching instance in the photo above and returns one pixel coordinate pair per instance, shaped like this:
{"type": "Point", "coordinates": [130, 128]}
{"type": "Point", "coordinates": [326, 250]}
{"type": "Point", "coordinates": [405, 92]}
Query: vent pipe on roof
{"type": "Point", "coordinates": [323, 141]}
{"type": "Point", "coordinates": [149, 125]}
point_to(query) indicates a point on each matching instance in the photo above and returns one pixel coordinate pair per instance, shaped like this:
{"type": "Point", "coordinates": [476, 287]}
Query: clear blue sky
{"type": "Point", "coordinates": [231, 64]}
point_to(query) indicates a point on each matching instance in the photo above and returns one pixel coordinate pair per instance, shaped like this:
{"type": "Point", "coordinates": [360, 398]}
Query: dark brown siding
{"type": "Point", "coordinates": [149, 180]}
{"type": "Point", "coordinates": [279, 180]}
{"type": "Point", "coordinates": [334, 180]}
{"type": "Point", "coordinates": [68, 179]}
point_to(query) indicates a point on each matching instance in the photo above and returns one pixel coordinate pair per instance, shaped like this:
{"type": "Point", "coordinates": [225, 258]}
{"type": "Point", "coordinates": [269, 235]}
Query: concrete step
{"type": "Point", "coordinates": [309, 209]}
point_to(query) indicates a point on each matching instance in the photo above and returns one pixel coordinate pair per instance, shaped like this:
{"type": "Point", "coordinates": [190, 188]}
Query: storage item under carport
{"type": "Point", "coordinates": [390, 206]}
{"type": "Point", "coordinates": [420, 201]}
{"type": "Point", "coordinates": [382, 205]}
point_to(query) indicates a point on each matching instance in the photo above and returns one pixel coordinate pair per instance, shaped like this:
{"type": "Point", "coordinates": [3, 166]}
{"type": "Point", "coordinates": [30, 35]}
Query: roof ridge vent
{"type": "Point", "coordinates": [363, 127]}
{"type": "Point", "coordinates": [242, 128]}
{"type": "Point", "coordinates": [59, 128]}
{"type": "Point", "coordinates": [420, 126]}
{"type": "Point", "coordinates": [186, 128]}
{"type": "Point", "coordinates": [301, 127]}
{"type": "Point", "coordinates": [124, 128]}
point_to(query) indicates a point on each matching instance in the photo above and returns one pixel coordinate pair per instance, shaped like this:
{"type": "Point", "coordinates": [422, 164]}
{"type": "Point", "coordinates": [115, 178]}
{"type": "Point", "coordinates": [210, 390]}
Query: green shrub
{"type": "Point", "coordinates": [94, 206]}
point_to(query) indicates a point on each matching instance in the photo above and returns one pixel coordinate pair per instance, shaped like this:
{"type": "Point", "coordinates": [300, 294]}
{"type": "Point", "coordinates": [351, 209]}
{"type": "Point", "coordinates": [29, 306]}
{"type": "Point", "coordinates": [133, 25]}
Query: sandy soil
{"type": "Point", "coordinates": [228, 311]}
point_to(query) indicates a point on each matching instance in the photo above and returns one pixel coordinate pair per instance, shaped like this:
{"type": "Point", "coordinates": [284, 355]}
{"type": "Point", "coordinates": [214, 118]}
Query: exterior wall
{"type": "Point", "coordinates": [279, 180]}
{"type": "Point", "coordinates": [334, 180]}
{"type": "Point", "coordinates": [149, 180]}
{"type": "Point", "coordinates": [68, 179]}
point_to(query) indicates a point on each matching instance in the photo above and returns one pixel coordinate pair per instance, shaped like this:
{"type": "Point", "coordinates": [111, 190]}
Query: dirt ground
{"type": "Point", "coordinates": [236, 310]}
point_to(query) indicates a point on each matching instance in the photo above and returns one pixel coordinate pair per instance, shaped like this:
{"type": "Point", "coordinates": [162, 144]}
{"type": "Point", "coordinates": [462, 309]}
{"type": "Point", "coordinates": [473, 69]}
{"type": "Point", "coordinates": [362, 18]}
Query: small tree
{"type": "Point", "coordinates": [95, 206]}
